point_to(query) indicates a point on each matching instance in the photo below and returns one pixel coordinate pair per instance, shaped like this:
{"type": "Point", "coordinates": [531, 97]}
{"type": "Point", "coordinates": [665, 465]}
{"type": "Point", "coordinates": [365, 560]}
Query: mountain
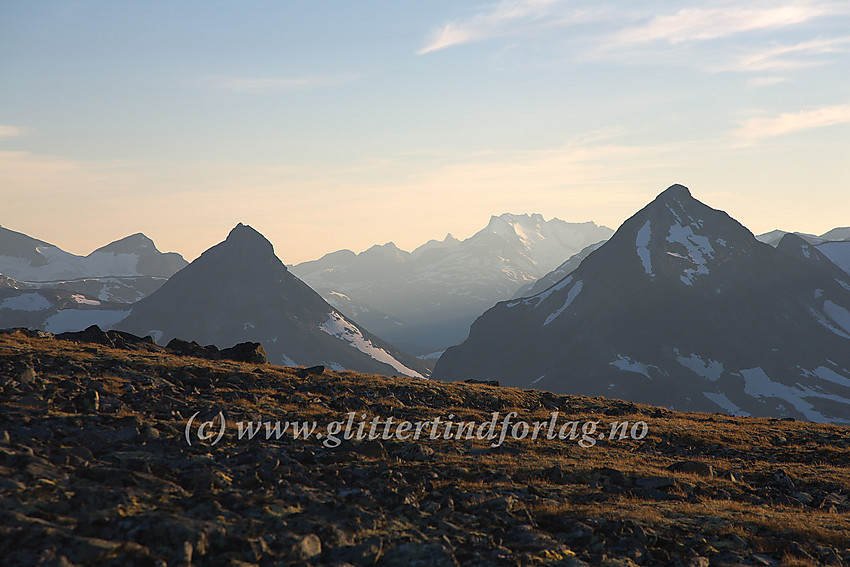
{"type": "Point", "coordinates": [240, 291]}
{"type": "Point", "coordinates": [123, 271]}
{"type": "Point", "coordinates": [774, 236]}
{"type": "Point", "coordinates": [425, 300]}
{"type": "Point", "coordinates": [558, 273]}
{"type": "Point", "coordinates": [682, 307]}
{"type": "Point", "coordinates": [841, 233]}
{"type": "Point", "coordinates": [834, 244]}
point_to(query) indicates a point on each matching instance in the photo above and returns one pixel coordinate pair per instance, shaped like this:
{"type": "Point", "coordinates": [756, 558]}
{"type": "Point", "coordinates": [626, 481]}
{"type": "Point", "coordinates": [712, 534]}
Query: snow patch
{"type": "Point", "coordinates": [823, 320]}
{"type": "Point", "coordinates": [25, 302]}
{"type": "Point", "coordinates": [709, 369]}
{"type": "Point", "coordinates": [642, 243]}
{"type": "Point", "coordinates": [82, 299]}
{"type": "Point", "coordinates": [574, 291]}
{"type": "Point", "coordinates": [157, 335]}
{"type": "Point", "coordinates": [698, 247]}
{"type": "Point", "coordinates": [537, 380]}
{"type": "Point", "coordinates": [838, 314]}
{"type": "Point", "coordinates": [339, 327]}
{"type": "Point", "coordinates": [286, 361]}
{"type": "Point", "coordinates": [759, 385]}
{"type": "Point", "coordinates": [628, 365]}
{"type": "Point", "coordinates": [825, 373]}
{"type": "Point", "coordinates": [725, 403]}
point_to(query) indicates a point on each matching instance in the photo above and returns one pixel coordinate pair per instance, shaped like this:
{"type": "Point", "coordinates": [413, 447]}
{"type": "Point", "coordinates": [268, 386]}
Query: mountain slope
{"type": "Point", "coordinates": [838, 253]}
{"type": "Point", "coordinates": [240, 291]}
{"type": "Point", "coordinates": [682, 307]}
{"type": "Point", "coordinates": [425, 300]}
{"type": "Point", "coordinates": [558, 273]}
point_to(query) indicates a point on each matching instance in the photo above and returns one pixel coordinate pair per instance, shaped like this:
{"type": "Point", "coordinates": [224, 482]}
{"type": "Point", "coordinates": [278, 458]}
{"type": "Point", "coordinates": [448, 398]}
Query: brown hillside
{"type": "Point", "coordinates": [95, 470]}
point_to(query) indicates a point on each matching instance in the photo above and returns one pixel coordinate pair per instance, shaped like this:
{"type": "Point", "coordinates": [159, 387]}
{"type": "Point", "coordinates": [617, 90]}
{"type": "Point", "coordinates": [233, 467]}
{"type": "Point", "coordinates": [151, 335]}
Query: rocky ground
{"type": "Point", "coordinates": [95, 469]}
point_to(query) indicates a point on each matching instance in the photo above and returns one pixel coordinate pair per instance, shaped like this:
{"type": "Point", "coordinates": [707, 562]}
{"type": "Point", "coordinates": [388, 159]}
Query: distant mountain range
{"type": "Point", "coordinates": [240, 291]}
{"type": "Point", "coordinates": [681, 307]}
{"type": "Point", "coordinates": [44, 287]}
{"type": "Point", "coordinates": [425, 300]}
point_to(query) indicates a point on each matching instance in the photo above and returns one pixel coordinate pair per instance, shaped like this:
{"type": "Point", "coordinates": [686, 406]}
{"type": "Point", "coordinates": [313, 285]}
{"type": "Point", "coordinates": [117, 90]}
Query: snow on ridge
{"type": "Point", "coordinates": [699, 250]}
{"type": "Point", "coordinates": [82, 299]}
{"type": "Point", "coordinates": [78, 319]}
{"type": "Point", "coordinates": [574, 291]}
{"type": "Point", "coordinates": [709, 369]}
{"type": "Point", "coordinates": [642, 243]}
{"type": "Point", "coordinates": [540, 297]}
{"type": "Point", "coordinates": [338, 326]}
{"type": "Point", "coordinates": [431, 355]}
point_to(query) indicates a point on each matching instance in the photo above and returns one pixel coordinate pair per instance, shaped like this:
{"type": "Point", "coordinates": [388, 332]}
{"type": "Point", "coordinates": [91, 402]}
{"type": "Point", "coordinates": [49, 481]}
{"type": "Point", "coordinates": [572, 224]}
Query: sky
{"type": "Point", "coordinates": [331, 125]}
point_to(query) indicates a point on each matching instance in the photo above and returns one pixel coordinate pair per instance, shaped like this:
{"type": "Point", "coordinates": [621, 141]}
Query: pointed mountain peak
{"type": "Point", "coordinates": [247, 238]}
{"type": "Point", "coordinates": [676, 190]}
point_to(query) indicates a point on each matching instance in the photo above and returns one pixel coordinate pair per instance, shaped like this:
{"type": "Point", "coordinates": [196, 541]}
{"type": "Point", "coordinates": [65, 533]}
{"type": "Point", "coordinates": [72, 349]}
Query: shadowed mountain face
{"type": "Point", "coordinates": [240, 291]}
{"type": "Point", "coordinates": [682, 307]}
{"type": "Point", "coordinates": [425, 300]}
{"type": "Point", "coordinates": [558, 273]}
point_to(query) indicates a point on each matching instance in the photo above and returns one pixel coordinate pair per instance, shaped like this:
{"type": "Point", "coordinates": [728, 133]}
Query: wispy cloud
{"type": "Point", "coordinates": [7, 131]}
{"type": "Point", "coordinates": [756, 128]}
{"type": "Point", "coordinates": [506, 18]}
{"type": "Point", "coordinates": [700, 24]}
{"type": "Point", "coordinates": [270, 84]}
{"type": "Point", "coordinates": [785, 57]}
{"type": "Point", "coordinates": [759, 82]}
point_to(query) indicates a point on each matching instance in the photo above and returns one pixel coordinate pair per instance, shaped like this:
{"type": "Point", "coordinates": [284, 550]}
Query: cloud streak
{"type": "Point", "coordinates": [700, 24]}
{"type": "Point", "coordinates": [505, 19]}
{"type": "Point", "coordinates": [776, 58]}
{"type": "Point", "coordinates": [7, 131]}
{"type": "Point", "coordinates": [755, 129]}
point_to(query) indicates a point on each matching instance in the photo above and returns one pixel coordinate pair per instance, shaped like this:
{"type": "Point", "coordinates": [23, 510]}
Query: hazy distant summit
{"type": "Point", "coordinates": [424, 300]}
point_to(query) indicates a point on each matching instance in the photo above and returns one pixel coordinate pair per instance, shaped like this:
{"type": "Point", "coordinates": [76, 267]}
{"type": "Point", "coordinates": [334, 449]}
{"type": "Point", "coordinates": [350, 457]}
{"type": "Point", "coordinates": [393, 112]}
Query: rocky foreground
{"type": "Point", "coordinates": [96, 468]}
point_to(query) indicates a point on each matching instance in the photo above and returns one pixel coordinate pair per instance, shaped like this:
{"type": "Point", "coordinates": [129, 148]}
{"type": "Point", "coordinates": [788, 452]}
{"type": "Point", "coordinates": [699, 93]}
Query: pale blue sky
{"type": "Point", "coordinates": [332, 125]}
